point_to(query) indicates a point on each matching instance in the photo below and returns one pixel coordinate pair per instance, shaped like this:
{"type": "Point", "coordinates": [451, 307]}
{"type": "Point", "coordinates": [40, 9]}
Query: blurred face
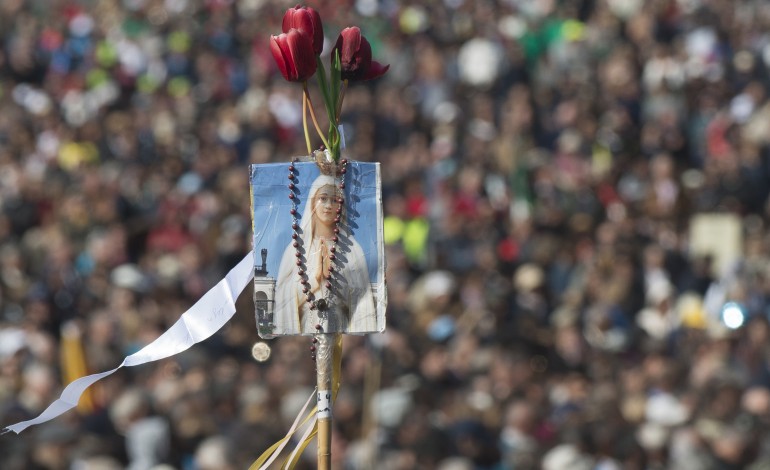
{"type": "Point", "coordinates": [325, 205]}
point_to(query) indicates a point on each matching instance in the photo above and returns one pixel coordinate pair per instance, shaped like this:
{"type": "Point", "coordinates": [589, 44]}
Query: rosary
{"type": "Point", "coordinates": [320, 303]}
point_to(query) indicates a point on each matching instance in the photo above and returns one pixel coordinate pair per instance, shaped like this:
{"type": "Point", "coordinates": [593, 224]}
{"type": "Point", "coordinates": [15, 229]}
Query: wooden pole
{"type": "Point", "coordinates": [324, 356]}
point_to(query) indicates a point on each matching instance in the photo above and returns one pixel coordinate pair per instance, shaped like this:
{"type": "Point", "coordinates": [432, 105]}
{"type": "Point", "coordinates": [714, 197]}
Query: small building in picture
{"type": "Point", "coordinates": [264, 295]}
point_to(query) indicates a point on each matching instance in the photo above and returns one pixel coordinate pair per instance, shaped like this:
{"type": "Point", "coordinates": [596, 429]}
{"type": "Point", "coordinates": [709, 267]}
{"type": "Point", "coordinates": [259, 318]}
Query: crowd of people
{"type": "Point", "coordinates": [576, 219]}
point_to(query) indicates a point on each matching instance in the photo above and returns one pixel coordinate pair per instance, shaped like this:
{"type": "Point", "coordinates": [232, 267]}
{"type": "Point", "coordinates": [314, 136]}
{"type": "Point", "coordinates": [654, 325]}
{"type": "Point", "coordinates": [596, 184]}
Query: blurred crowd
{"type": "Point", "coordinates": [576, 202]}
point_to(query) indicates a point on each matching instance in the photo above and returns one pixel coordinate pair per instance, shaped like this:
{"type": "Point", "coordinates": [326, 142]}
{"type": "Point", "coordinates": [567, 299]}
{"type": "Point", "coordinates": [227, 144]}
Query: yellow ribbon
{"type": "Point", "coordinates": [73, 363]}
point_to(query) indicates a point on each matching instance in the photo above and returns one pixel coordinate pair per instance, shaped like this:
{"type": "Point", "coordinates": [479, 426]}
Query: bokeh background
{"type": "Point", "coordinates": [576, 196]}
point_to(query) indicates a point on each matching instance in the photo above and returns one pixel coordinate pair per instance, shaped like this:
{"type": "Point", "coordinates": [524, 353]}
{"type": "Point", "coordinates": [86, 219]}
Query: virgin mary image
{"type": "Point", "coordinates": [323, 279]}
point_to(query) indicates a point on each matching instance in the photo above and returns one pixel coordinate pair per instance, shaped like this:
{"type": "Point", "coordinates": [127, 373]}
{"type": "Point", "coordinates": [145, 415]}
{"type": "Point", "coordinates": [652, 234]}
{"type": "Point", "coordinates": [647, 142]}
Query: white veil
{"type": "Point", "coordinates": [356, 294]}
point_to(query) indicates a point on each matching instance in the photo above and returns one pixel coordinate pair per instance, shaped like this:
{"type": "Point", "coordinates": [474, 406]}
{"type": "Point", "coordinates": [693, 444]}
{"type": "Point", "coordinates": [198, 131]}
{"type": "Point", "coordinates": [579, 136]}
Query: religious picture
{"type": "Point", "coordinates": [319, 255]}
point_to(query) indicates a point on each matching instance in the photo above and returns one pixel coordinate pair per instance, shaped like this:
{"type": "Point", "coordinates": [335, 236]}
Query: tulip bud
{"type": "Point", "coordinates": [293, 52]}
{"type": "Point", "coordinates": [308, 20]}
{"type": "Point", "coordinates": [356, 56]}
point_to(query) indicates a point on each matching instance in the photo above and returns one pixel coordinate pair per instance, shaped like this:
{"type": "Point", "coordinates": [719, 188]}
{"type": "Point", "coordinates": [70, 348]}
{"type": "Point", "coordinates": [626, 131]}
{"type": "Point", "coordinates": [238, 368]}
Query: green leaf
{"type": "Point", "coordinates": [333, 139]}
{"type": "Point", "coordinates": [336, 74]}
{"type": "Point", "coordinates": [322, 83]}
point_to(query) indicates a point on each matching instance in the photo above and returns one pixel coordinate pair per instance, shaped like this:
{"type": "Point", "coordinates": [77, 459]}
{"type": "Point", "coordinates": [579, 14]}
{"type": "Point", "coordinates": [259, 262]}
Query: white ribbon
{"type": "Point", "coordinates": [202, 320]}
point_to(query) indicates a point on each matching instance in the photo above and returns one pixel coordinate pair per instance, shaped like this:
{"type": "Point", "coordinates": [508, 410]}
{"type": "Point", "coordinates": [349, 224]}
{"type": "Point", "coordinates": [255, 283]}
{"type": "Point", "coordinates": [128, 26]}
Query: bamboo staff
{"type": "Point", "coordinates": [324, 374]}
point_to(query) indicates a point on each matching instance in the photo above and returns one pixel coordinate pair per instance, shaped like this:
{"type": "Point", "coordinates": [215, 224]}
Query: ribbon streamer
{"type": "Point", "coordinates": [200, 321]}
{"type": "Point", "coordinates": [311, 418]}
{"type": "Point", "coordinates": [269, 456]}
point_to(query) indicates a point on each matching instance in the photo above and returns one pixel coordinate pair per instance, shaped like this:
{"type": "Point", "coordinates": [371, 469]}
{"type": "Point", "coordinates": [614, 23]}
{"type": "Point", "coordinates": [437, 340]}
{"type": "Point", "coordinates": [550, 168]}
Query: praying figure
{"type": "Point", "coordinates": [323, 278]}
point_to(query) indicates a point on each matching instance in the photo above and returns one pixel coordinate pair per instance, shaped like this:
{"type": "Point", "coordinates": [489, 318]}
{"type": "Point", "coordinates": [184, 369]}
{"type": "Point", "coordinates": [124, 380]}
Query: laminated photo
{"type": "Point", "coordinates": [319, 255]}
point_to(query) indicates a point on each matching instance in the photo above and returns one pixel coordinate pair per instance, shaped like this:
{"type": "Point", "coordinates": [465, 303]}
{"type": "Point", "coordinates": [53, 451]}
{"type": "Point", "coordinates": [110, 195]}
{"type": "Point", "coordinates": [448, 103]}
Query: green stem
{"type": "Point", "coordinates": [334, 139]}
{"type": "Point", "coordinates": [324, 85]}
{"type": "Point", "coordinates": [340, 99]}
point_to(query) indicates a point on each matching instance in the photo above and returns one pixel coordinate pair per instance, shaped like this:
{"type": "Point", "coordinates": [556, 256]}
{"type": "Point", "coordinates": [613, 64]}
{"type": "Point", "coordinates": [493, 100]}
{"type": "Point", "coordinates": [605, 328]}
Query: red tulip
{"type": "Point", "coordinates": [293, 52]}
{"type": "Point", "coordinates": [356, 56]}
{"type": "Point", "coordinates": [308, 20]}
